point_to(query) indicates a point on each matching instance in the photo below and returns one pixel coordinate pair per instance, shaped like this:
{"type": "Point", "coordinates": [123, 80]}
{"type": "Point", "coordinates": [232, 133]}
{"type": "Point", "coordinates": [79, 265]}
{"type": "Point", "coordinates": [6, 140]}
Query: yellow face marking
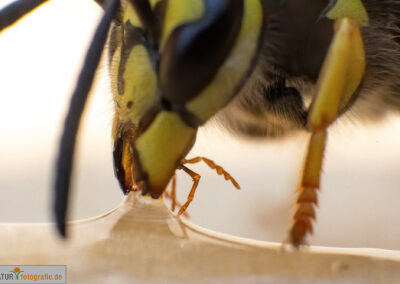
{"type": "Point", "coordinates": [162, 147]}
{"type": "Point", "coordinates": [140, 86]}
{"type": "Point", "coordinates": [179, 12]}
{"type": "Point", "coordinates": [219, 91]}
{"type": "Point", "coordinates": [131, 15]}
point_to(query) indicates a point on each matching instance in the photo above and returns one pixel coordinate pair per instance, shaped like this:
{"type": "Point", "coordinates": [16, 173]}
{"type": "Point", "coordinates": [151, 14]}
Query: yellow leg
{"type": "Point", "coordinates": [339, 79]}
{"type": "Point", "coordinates": [173, 193]}
{"type": "Point", "coordinates": [196, 179]}
{"type": "Point", "coordinates": [341, 74]}
{"type": "Point", "coordinates": [307, 191]}
{"type": "Point", "coordinates": [172, 197]}
{"type": "Point", "coordinates": [212, 165]}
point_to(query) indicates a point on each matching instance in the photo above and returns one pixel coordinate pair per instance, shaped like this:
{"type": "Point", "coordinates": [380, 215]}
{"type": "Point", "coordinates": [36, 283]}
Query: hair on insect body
{"type": "Point", "coordinates": [262, 68]}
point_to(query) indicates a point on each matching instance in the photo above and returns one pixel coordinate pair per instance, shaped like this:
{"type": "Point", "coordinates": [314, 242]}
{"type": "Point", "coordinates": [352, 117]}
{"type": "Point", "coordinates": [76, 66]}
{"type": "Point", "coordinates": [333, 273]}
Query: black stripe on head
{"type": "Point", "coordinates": [132, 36]}
{"type": "Point", "coordinates": [159, 11]}
{"type": "Point", "coordinates": [146, 16]}
{"type": "Point", "coordinates": [195, 51]}
{"type": "Point", "coordinates": [148, 35]}
{"type": "Point", "coordinates": [72, 120]}
{"type": "Point", "coordinates": [16, 10]}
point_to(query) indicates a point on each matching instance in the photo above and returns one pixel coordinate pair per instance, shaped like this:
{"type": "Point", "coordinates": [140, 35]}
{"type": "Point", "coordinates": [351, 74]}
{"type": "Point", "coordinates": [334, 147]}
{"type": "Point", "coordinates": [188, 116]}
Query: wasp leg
{"type": "Point", "coordinates": [307, 191]}
{"type": "Point", "coordinates": [173, 193]}
{"type": "Point", "coordinates": [177, 204]}
{"type": "Point", "coordinates": [340, 77]}
{"type": "Point", "coordinates": [212, 165]}
{"type": "Point", "coordinates": [196, 179]}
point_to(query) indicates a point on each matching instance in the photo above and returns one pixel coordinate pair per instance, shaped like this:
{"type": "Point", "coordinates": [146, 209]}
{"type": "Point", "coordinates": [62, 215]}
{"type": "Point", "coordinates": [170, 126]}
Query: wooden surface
{"type": "Point", "coordinates": [142, 242]}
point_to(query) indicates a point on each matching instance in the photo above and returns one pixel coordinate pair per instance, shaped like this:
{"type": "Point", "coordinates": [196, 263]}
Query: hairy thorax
{"type": "Point", "coordinates": [276, 97]}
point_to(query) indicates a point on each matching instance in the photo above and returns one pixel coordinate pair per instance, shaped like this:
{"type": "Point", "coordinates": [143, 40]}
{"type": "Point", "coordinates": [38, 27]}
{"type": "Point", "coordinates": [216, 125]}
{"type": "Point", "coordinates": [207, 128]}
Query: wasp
{"type": "Point", "coordinates": [262, 68]}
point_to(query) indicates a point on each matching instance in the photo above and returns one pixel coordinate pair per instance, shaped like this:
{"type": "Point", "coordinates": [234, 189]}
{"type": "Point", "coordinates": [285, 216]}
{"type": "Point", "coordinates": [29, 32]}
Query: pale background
{"type": "Point", "coordinates": [39, 61]}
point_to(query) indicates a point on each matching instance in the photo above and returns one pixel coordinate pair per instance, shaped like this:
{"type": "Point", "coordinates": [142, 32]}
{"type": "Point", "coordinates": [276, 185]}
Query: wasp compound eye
{"type": "Point", "coordinates": [195, 51]}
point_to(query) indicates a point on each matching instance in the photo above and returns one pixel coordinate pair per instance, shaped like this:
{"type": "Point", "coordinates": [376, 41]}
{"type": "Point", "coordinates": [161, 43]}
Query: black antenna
{"type": "Point", "coordinates": [16, 10]}
{"type": "Point", "coordinates": [72, 120]}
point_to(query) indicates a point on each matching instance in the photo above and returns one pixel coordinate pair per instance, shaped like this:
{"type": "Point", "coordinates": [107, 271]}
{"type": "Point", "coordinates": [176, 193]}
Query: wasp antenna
{"type": "Point", "coordinates": [16, 10]}
{"type": "Point", "coordinates": [77, 104]}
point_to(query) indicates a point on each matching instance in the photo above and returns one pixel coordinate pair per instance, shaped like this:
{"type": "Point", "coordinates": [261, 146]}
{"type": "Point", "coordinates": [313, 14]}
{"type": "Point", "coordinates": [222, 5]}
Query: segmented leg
{"type": "Point", "coordinates": [340, 77]}
{"type": "Point", "coordinates": [214, 166]}
{"type": "Point", "coordinates": [173, 193]}
{"type": "Point", "coordinates": [196, 179]}
{"type": "Point", "coordinates": [307, 191]}
{"type": "Point", "coordinates": [169, 196]}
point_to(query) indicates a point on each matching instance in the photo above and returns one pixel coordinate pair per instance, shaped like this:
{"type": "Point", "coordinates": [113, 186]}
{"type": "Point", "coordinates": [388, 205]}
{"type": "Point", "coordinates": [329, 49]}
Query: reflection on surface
{"type": "Point", "coordinates": [142, 241]}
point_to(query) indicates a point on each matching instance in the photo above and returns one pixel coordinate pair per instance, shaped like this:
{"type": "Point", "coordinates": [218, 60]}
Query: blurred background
{"type": "Point", "coordinates": [40, 58]}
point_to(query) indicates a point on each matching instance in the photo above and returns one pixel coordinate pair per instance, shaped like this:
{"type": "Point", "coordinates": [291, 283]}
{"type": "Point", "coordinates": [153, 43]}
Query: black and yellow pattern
{"type": "Point", "coordinates": [174, 64]}
{"type": "Point", "coordinates": [340, 77]}
{"type": "Point", "coordinates": [171, 73]}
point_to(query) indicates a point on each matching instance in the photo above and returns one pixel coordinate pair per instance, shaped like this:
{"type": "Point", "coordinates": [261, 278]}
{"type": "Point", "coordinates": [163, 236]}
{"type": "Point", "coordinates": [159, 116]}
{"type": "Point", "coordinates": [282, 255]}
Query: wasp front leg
{"type": "Point", "coordinates": [341, 75]}
{"type": "Point", "coordinates": [173, 193]}
{"type": "Point", "coordinates": [172, 196]}
{"type": "Point", "coordinates": [196, 178]}
{"type": "Point", "coordinates": [212, 165]}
